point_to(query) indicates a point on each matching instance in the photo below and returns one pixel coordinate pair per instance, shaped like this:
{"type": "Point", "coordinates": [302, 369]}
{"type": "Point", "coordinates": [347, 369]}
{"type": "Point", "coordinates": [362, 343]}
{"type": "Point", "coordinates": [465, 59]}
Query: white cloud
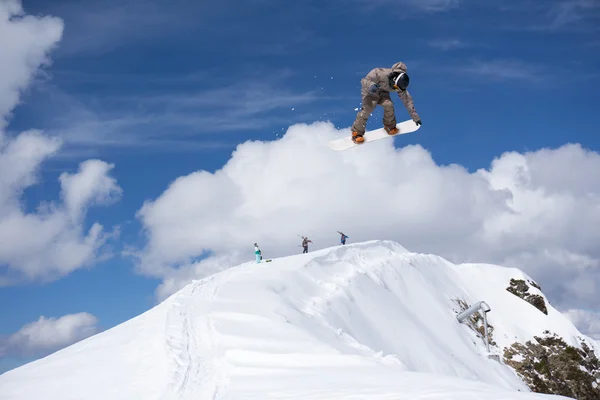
{"type": "Point", "coordinates": [91, 185]}
{"type": "Point", "coordinates": [47, 335]}
{"type": "Point", "coordinates": [50, 242]}
{"type": "Point", "coordinates": [537, 211]}
{"type": "Point", "coordinates": [19, 159]}
{"type": "Point", "coordinates": [586, 321]}
{"type": "Point", "coordinates": [176, 279]}
{"type": "Point", "coordinates": [25, 41]}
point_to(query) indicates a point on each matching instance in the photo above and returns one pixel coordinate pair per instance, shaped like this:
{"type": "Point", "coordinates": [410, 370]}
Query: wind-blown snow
{"type": "Point", "coordinates": [369, 319]}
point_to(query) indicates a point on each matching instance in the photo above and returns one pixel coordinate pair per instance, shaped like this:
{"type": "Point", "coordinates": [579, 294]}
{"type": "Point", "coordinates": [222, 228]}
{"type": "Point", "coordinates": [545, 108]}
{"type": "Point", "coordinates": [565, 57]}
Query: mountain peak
{"type": "Point", "coordinates": [370, 319]}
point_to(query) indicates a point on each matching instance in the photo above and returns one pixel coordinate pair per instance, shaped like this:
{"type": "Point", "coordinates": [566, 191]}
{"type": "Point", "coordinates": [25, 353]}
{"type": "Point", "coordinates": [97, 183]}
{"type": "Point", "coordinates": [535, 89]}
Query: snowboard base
{"type": "Point", "coordinates": [346, 143]}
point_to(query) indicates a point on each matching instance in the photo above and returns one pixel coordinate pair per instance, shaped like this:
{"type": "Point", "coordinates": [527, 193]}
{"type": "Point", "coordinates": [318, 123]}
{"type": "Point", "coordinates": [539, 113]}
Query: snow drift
{"type": "Point", "coordinates": [368, 320]}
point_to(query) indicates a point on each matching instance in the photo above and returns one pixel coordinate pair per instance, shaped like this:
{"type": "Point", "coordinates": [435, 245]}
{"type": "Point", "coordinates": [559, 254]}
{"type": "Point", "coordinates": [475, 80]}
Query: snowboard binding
{"type": "Point", "coordinates": [357, 138]}
{"type": "Point", "coordinates": [391, 131]}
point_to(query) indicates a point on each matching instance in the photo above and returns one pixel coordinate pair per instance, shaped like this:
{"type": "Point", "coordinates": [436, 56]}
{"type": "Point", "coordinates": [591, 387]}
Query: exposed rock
{"type": "Point", "coordinates": [519, 288]}
{"type": "Point", "coordinates": [549, 365]}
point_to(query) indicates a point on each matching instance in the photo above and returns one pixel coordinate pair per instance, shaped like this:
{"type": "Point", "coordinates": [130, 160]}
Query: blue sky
{"type": "Point", "coordinates": [162, 89]}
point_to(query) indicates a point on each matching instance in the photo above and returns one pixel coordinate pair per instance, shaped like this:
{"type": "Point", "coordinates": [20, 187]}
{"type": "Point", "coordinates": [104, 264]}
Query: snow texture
{"type": "Point", "coordinates": [368, 320]}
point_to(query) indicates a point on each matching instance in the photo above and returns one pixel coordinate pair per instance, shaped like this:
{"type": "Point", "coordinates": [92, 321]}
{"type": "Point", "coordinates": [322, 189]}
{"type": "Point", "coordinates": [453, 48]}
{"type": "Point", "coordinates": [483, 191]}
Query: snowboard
{"type": "Point", "coordinates": [346, 142]}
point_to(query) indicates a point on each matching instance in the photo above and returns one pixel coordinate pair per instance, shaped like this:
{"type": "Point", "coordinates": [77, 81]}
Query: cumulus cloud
{"type": "Point", "coordinates": [91, 185]}
{"type": "Point", "coordinates": [51, 241]}
{"type": "Point", "coordinates": [47, 335]}
{"type": "Point", "coordinates": [537, 211]}
{"type": "Point", "coordinates": [25, 41]}
{"type": "Point", "coordinates": [177, 278]}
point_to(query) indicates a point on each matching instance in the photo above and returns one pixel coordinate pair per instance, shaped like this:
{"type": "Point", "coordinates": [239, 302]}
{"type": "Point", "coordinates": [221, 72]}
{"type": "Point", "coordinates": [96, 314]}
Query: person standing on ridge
{"type": "Point", "coordinates": [305, 243]}
{"type": "Point", "coordinates": [343, 238]}
{"type": "Point", "coordinates": [375, 89]}
{"type": "Point", "coordinates": [258, 253]}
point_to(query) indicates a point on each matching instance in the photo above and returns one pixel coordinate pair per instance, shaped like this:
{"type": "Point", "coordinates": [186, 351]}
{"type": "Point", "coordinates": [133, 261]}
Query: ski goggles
{"type": "Point", "coordinates": [401, 82]}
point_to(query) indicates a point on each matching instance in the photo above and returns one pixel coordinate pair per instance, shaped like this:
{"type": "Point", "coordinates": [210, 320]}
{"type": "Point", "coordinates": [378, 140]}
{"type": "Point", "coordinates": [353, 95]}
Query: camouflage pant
{"type": "Point", "coordinates": [369, 103]}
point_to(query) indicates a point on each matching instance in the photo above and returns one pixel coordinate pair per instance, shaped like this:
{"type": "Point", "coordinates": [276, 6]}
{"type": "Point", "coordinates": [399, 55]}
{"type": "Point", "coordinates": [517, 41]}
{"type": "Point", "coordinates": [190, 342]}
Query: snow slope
{"type": "Point", "coordinates": [361, 321]}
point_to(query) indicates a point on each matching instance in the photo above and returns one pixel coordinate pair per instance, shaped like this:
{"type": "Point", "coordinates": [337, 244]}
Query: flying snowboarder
{"type": "Point", "coordinates": [375, 89]}
{"type": "Point", "coordinates": [305, 243]}
{"type": "Point", "coordinates": [343, 238]}
{"type": "Point", "coordinates": [258, 253]}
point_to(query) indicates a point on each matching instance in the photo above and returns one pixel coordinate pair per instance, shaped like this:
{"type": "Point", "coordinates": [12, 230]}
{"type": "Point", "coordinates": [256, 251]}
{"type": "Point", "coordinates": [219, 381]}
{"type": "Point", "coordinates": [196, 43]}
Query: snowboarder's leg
{"type": "Point", "coordinates": [360, 123]}
{"type": "Point", "coordinates": [389, 116]}
{"type": "Point", "coordinates": [258, 257]}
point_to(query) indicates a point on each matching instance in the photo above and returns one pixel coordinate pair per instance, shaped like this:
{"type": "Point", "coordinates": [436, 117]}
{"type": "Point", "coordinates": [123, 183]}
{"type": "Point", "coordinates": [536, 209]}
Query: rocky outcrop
{"type": "Point", "coordinates": [520, 288]}
{"type": "Point", "coordinates": [549, 365]}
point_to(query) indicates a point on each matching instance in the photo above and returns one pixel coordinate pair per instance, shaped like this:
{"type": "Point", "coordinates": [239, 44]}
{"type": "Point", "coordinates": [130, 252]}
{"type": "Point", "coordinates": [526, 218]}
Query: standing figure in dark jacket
{"type": "Point", "coordinates": [305, 243]}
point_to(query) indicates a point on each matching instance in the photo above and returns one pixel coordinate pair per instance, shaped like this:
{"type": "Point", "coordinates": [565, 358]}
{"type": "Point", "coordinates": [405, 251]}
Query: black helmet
{"type": "Point", "coordinates": [400, 81]}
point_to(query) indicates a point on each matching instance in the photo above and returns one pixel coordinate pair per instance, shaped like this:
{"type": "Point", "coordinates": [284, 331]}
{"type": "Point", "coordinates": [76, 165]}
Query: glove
{"type": "Point", "coordinates": [418, 122]}
{"type": "Point", "coordinates": [373, 88]}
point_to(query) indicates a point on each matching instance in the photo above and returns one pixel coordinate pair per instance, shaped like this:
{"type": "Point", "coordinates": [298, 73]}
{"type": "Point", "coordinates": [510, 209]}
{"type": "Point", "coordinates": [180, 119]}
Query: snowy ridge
{"type": "Point", "coordinates": [367, 320]}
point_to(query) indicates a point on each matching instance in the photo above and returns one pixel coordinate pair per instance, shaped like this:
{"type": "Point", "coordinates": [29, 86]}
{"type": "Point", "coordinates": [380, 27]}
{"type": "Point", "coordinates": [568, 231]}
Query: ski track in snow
{"type": "Point", "coordinates": [195, 375]}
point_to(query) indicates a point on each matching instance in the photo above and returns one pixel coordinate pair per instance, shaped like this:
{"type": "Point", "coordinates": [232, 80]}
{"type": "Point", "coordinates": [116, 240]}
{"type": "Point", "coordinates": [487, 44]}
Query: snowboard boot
{"type": "Point", "coordinates": [391, 130]}
{"type": "Point", "coordinates": [357, 137]}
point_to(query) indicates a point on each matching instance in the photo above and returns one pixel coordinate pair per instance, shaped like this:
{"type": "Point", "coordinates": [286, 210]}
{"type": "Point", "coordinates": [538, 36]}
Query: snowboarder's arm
{"type": "Point", "coordinates": [409, 104]}
{"type": "Point", "coordinates": [372, 78]}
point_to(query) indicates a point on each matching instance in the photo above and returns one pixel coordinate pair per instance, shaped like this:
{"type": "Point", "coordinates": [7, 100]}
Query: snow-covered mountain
{"type": "Point", "coordinates": [362, 321]}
